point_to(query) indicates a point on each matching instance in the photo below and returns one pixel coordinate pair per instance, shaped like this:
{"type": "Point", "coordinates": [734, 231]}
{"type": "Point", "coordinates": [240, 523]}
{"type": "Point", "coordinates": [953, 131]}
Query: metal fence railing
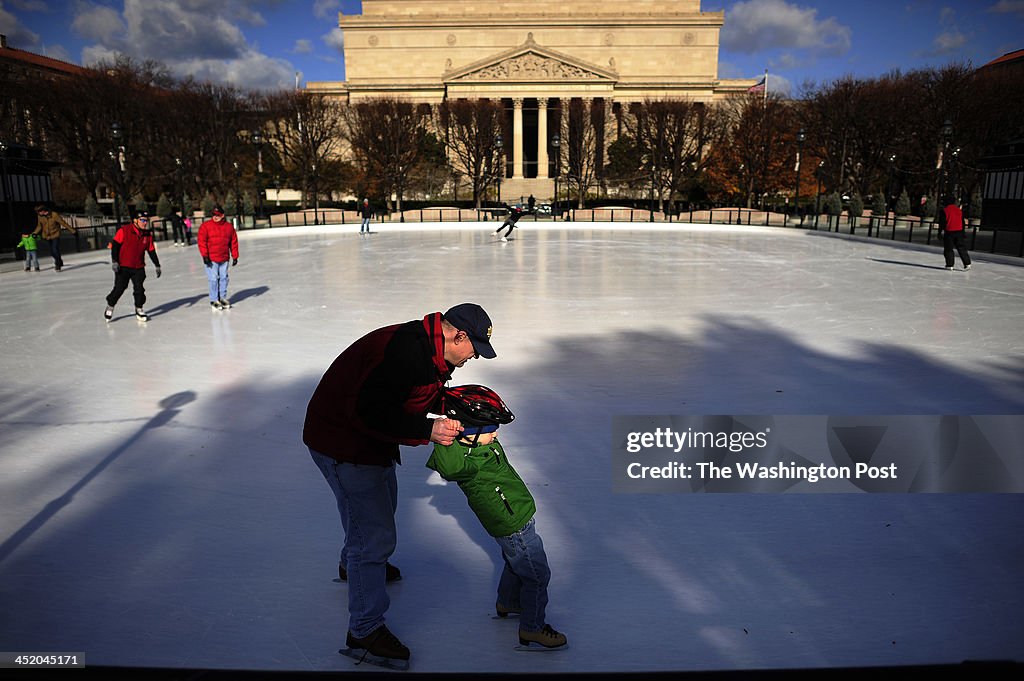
{"type": "Point", "coordinates": [94, 234]}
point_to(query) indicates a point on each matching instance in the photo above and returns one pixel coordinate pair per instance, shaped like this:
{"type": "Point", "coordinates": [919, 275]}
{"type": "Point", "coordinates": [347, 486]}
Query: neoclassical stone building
{"type": "Point", "coordinates": [533, 55]}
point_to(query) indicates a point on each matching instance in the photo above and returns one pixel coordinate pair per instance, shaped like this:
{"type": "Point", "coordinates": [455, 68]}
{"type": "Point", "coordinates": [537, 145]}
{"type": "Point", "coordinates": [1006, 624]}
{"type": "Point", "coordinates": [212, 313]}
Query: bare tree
{"type": "Point", "coordinates": [306, 130]}
{"type": "Point", "coordinates": [582, 134]}
{"type": "Point", "coordinates": [471, 129]}
{"type": "Point", "coordinates": [386, 136]}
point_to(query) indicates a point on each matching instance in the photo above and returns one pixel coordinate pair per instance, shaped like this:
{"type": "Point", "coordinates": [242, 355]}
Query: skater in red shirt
{"type": "Point", "coordinates": [951, 221]}
{"type": "Point", "coordinates": [218, 243]}
{"type": "Point", "coordinates": [127, 253]}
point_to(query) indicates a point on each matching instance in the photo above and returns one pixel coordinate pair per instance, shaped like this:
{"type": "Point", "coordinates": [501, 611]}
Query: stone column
{"type": "Point", "coordinates": [517, 138]}
{"type": "Point", "coordinates": [542, 137]}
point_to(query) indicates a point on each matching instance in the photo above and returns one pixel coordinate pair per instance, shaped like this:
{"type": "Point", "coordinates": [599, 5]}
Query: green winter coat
{"type": "Point", "coordinates": [28, 243]}
{"type": "Point", "coordinates": [496, 493]}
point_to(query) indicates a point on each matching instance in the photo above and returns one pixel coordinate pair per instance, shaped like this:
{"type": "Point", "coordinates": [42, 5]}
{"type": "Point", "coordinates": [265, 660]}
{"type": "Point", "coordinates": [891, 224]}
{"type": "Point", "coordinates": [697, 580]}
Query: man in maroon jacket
{"type": "Point", "coordinates": [376, 396]}
{"type": "Point", "coordinates": [218, 243]}
{"type": "Point", "coordinates": [127, 253]}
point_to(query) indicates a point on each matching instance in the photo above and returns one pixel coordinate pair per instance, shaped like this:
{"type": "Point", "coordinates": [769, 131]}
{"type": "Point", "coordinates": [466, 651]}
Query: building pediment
{"type": "Point", "coordinates": [530, 63]}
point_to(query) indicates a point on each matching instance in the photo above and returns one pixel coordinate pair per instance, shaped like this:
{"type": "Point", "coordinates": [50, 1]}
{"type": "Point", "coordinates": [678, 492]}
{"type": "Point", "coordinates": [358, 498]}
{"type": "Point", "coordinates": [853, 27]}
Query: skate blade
{"type": "Point", "coordinates": [538, 648]}
{"type": "Point", "coordinates": [361, 656]}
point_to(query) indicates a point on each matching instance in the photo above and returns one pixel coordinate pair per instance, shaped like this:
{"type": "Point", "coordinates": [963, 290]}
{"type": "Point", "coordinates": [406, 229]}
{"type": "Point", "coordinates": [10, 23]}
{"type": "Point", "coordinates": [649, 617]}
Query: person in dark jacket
{"type": "Point", "coordinates": [951, 222]}
{"type": "Point", "coordinates": [218, 244]}
{"type": "Point", "coordinates": [127, 254]}
{"type": "Point", "coordinates": [181, 237]}
{"type": "Point", "coordinates": [503, 504]}
{"type": "Point", "coordinates": [366, 211]}
{"type": "Point", "coordinates": [382, 392]}
{"type": "Point", "coordinates": [514, 214]}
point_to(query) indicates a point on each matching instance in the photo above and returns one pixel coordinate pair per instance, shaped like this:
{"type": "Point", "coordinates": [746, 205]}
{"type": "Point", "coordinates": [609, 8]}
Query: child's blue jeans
{"type": "Point", "coordinates": [524, 580]}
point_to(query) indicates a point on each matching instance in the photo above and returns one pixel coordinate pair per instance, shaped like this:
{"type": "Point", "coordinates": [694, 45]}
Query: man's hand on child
{"type": "Point", "coordinates": [445, 430]}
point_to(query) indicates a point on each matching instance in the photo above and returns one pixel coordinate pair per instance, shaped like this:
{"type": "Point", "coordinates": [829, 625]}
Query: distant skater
{"type": "Point", "coordinates": [366, 211]}
{"type": "Point", "coordinates": [951, 222]}
{"type": "Point", "coordinates": [510, 222]}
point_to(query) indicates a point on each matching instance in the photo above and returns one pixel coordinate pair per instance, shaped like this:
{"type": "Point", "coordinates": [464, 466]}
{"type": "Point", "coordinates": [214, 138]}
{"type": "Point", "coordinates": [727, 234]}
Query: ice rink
{"type": "Point", "coordinates": [158, 507]}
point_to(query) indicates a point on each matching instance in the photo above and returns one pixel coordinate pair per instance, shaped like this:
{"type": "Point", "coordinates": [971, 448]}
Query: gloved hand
{"type": "Point", "coordinates": [114, 266]}
{"type": "Point", "coordinates": [157, 272]}
{"type": "Point", "coordinates": [234, 262]}
{"type": "Point", "coordinates": [207, 262]}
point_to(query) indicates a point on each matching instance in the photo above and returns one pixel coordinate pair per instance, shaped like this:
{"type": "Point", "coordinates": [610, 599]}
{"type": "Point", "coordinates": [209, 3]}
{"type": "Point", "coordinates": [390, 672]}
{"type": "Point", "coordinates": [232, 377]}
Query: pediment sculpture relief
{"type": "Point", "coordinates": [533, 67]}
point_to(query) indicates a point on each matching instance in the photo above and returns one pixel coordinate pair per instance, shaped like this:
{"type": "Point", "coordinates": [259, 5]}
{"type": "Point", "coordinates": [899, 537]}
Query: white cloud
{"type": "Point", "coordinates": [1008, 7]}
{"type": "Point", "coordinates": [252, 71]}
{"type": "Point", "coordinates": [198, 38]}
{"type": "Point", "coordinates": [29, 5]}
{"type": "Point", "coordinates": [18, 35]}
{"type": "Point", "coordinates": [757, 25]}
{"type": "Point", "coordinates": [102, 24]}
{"type": "Point", "coordinates": [302, 46]}
{"type": "Point", "coordinates": [948, 42]}
{"type": "Point", "coordinates": [326, 9]}
{"type": "Point", "coordinates": [334, 39]}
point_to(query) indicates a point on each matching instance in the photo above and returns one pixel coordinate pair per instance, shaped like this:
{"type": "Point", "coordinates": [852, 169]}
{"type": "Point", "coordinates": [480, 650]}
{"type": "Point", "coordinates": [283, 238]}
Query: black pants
{"type": "Point", "coordinates": [121, 279]}
{"type": "Point", "coordinates": [178, 228]}
{"type": "Point", "coordinates": [951, 241]}
{"type": "Point", "coordinates": [508, 223]}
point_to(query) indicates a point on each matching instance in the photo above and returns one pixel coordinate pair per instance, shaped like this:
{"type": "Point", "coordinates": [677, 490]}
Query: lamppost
{"type": "Point", "coordinates": [819, 173]}
{"type": "Point", "coordinates": [800, 137]}
{"type": "Point", "coordinates": [117, 157]}
{"type": "Point", "coordinates": [257, 140]}
{"type": "Point", "coordinates": [316, 198]}
{"type": "Point", "coordinates": [556, 144]}
{"type": "Point", "coordinates": [181, 185]}
{"type": "Point", "coordinates": [654, 177]}
{"type": "Point", "coordinates": [238, 198]}
{"type": "Point", "coordinates": [501, 165]}
{"type": "Point", "coordinates": [890, 192]}
{"type": "Point", "coordinates": [947, 136]}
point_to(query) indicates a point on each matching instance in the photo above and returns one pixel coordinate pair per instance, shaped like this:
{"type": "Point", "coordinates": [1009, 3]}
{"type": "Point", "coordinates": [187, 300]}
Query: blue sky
{"type": "Point", "coordinates": [263, 43]}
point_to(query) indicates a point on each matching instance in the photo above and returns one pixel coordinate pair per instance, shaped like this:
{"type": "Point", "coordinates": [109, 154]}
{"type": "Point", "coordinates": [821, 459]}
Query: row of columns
{"type": "Point", "coordinates": [542, 138]}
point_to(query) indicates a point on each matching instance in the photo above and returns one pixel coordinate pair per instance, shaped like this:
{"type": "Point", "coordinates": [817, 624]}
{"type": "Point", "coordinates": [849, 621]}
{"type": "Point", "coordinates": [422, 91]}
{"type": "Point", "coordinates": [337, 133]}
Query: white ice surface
{"type": "Point", "coordinates": [158, 508]}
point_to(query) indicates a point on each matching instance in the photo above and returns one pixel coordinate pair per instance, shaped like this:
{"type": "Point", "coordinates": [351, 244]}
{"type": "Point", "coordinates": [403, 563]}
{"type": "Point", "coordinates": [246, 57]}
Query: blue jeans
{"type": "Point", "coordinates": [217, 274]}
{"type": "Point", "coordinates": [524, 580]}
{"type": "Point", "coordinates": [31, 259]}
{"type": "Point", "coordinates": [367, 499]}
{"type": "Point", "coordinates": [58, 262]}
{"type": "Point", "coordinates": [366, 225]}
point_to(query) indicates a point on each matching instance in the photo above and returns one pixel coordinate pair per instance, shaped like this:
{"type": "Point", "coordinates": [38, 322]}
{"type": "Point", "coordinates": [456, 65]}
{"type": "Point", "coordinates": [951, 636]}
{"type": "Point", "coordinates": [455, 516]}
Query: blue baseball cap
{"type": "Point", "coordinates": [472, 319]}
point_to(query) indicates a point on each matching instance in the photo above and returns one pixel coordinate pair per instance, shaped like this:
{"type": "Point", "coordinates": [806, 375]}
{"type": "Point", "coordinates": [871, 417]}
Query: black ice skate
{"type": "Point", "coordinates": [381, 648]}
{"type": "Point", "coordinates": [391, 573]}
{"type": "Point", "coordinates": [501, 612]}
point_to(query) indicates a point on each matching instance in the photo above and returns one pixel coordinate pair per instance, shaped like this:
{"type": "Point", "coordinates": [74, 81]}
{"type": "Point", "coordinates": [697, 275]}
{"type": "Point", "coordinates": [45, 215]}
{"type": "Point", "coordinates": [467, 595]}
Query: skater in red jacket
{"type": "Point", "coordinates": [951, 223]}
{"type": "Point", "coordinates": [218, 243]}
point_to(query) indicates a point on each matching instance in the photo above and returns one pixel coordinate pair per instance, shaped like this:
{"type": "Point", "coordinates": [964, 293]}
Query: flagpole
{"type": "Point", "coordinates": [765, 100]}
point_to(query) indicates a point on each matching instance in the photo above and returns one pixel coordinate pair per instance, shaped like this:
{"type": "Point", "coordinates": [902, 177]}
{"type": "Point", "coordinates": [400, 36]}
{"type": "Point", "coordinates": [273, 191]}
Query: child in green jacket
{"type": "Point", "coordinates": [31, 246]}
{"type": "Point", "coordinates": [504, 505]}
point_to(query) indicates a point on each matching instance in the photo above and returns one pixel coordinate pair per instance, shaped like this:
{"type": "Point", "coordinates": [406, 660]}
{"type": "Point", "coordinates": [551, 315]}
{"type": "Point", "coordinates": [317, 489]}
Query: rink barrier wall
{"type": "Point", "coordinates": [95, 234]}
